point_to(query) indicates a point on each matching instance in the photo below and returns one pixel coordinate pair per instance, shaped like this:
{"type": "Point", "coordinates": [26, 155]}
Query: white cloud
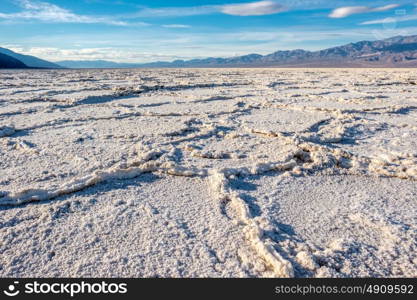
{"type": "Point", "coordinates": [51, 13]}
{"type": "Point", "coordinates": [252, 9]}
{"type": "Point", "coordinates": [176, 11]}
{"type": "Point", "coordinates": [176, 26]}
{"type": "Point", "coordinates": [106, 53]}
{"type": "Point", "coordinates": [238, 9]}
{"type": "Point", "coordinates": [343, 12]}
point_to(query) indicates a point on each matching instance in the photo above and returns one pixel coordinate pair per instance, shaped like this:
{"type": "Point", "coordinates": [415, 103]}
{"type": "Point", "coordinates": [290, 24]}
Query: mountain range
{"type": "Point", "coordinates": [8, 62]}
{"type": "Point", "coordinates": [393, 52]}
{"type": "Point", "coordinates": [30, 61]}
{"type": "Point", "coordinates": [399, 51]}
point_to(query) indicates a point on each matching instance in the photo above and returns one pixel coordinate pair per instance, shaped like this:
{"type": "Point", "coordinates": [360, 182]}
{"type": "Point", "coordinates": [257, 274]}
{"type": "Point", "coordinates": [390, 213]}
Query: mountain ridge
{"type": "Point", "coordinates": [8, 62]}
{"type": "Point", "coordinates": [398, 51]}
{"type": "Point", "coordinates": [30, 61]}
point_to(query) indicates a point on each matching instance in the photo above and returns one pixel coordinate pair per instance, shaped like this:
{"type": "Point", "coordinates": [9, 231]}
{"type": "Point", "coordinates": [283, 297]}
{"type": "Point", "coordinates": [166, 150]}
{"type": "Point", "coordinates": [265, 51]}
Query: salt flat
{"type": "Point", "coordinates": [208, 173]}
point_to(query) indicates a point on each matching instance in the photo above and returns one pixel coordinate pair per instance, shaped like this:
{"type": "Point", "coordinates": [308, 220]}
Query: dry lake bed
{"type": "Point", "coordinates": [208, 173]}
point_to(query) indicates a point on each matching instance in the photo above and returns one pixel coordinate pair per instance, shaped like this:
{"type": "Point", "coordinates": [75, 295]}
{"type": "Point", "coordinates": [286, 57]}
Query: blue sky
{"type": "Point", "coordinates": [144, 31]}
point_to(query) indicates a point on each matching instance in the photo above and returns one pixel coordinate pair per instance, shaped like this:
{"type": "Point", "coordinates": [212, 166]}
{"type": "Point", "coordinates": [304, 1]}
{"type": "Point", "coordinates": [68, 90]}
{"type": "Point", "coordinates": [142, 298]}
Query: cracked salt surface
{"type": "Point", "coordinates": [208, 173]}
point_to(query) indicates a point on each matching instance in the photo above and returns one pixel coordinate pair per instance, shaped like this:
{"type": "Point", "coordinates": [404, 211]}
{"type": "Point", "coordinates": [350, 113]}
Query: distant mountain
{"type": "Point", "coordinates": [393, 52]}
{"type": "Point", "coordinates": [30, 61]}
{"type": "Point", "coordinates": [8, 62]}
{"type": "Point", "coordinates": [399, 51]}
{"type": "Point", "coordinates": [94, 64]}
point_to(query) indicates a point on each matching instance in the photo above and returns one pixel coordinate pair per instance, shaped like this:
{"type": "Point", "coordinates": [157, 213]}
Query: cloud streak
{"type": "Point", "coordinates": [175, 11]}
{"type": "Point", "coordinates": [343, 12]}
{"type": "Point", "coordinates": [176, 26]}
{"type": "Point", "coordinates": [105, 53]}
{"type": "Point", "coordinates": [51, 13]}
{"type": "Point", "coordinates": [391, 20]}
{"type": "Point", "coordinates": [258, 8]}
{"type": "Point", "coordinates": [253, 9]}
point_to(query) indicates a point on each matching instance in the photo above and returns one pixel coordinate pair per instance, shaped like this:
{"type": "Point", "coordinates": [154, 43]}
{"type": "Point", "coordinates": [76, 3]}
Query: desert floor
{"type": "Point", "coordinates": [208, 173]}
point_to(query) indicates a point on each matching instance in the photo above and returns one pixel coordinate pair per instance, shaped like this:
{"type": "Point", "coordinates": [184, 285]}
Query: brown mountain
{"type": "Point", "coordinates": [399, 51]}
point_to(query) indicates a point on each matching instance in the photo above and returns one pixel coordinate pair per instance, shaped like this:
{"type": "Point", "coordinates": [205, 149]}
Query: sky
{"type": "Point", "coordinates": [154, 30]}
